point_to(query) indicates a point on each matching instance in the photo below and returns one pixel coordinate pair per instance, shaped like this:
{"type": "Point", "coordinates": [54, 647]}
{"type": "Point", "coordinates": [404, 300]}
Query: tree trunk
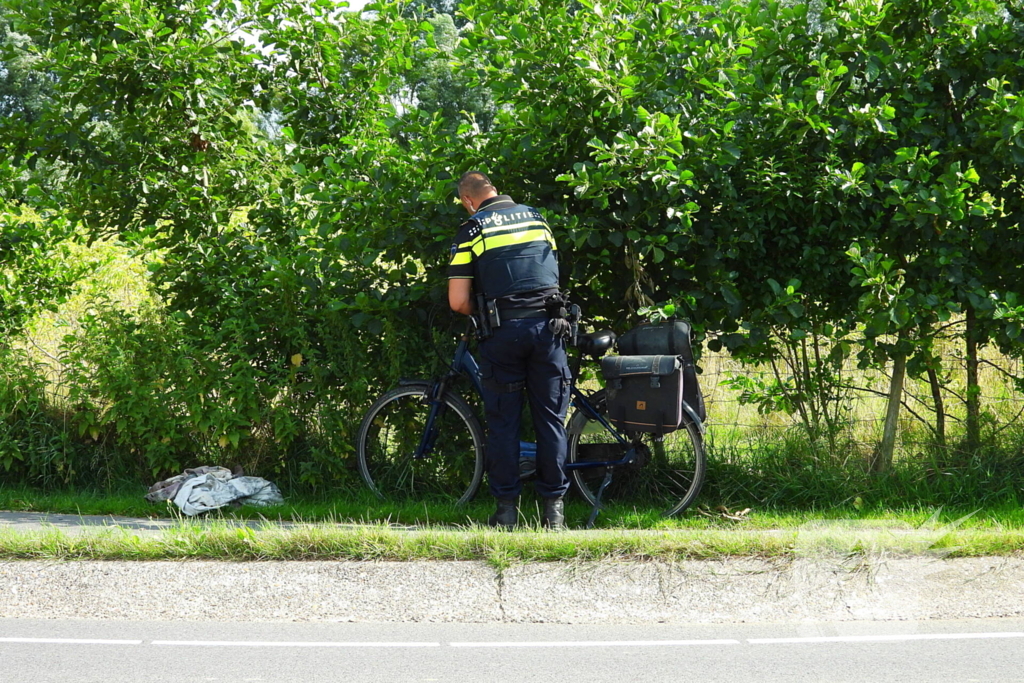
{"type": "Point", "coordinates": [940, 409]}
{"type": "Point", "coordinates": [883, 455]}
{"type": "Point", "coordinates": [796, 395]}
{"type": "Point", "coordinates": [809, 392]}
{"type": "Point", "coordinates": [973, 391]}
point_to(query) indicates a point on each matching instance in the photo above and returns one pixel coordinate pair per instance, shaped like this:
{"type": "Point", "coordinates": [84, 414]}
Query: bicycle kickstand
{"type": "Point", "coordinates": [597, 498]}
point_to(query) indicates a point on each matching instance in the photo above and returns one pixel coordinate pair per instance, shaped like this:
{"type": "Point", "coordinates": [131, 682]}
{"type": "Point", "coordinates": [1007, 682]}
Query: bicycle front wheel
{"type": "Point", "coordinates": [391, 434]}
{"type": "Point", "coordinates": [667, 473]}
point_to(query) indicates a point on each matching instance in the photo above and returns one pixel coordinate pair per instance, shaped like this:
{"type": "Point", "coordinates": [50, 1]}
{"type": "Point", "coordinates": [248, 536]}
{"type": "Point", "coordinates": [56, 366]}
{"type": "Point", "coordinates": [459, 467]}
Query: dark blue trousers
{"type": "Point", "coordinates": [523, 354]}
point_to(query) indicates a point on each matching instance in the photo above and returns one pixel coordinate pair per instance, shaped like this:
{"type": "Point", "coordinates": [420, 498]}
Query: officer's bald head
{"type": "Point", "coordinates": [475, 185]}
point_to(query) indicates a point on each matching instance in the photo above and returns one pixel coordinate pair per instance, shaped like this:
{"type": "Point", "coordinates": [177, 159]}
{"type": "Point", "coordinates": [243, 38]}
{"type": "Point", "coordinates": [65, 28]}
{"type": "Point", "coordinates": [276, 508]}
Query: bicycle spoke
{"type": "Point", "coordinates": [392, 433]}
{"type": "Point", "coordinates": [666, 474]}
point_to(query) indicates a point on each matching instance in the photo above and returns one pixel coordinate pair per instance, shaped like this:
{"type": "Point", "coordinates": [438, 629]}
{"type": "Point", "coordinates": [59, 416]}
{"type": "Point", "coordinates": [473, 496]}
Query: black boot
{"type": "Point", "coordinates": [553, 518]}
{"type": "Point", "coordinates": [506, 515]}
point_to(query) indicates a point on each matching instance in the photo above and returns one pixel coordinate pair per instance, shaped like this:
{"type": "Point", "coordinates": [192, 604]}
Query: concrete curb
{"type": "Point", "coordinates": [597, 592]}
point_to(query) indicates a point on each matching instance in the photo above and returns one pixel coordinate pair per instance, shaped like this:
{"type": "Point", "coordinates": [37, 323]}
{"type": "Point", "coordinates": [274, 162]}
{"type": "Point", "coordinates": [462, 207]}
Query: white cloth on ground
{"type": "Point", "coordinates": [209, 488]}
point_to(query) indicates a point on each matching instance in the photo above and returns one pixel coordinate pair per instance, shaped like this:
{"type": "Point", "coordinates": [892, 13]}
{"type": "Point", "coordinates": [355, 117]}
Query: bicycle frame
{"type": "Point", "coordinates": [579, 400]}
{"type": "Point", "coordinates": [463, 363]}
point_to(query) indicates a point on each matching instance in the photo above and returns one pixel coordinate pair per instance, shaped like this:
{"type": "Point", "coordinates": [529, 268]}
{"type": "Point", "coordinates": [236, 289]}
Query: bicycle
{"type": "Point", "coordinates": [422, 440]}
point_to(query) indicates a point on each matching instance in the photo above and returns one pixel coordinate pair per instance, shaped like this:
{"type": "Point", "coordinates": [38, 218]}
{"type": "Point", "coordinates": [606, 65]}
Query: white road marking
{"type": "Point", "coordinates": [286, 643]}
{"type": "Point", "coordinates": [906, 637]}
{"type": "Point", "coordinates": [594, 643]}
{"type": "Point", "coordinates": [884, 638]}
{"type": "Point", "coordinates": [71, 641]}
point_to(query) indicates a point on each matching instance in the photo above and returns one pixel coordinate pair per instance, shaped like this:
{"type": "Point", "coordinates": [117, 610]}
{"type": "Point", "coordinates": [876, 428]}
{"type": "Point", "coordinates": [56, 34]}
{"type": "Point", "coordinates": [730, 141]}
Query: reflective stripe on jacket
{"type": "Point", "coordinates": [507, 248]}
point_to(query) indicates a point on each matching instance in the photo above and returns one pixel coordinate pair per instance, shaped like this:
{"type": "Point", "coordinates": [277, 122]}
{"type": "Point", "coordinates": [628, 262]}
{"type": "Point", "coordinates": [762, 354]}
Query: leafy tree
{"type": "Point", "coordinates": [156, 93]}
{"type": "Point", "coordinates": [24, 89]}
{"type": "Point", "coordinates": [433, 86]}
{"type": "Point", "coordinates": [935, 179]}
{"type": "Point", "coordinates": [704, 169]}
{"type": "Point", "coordinates": [35, 271]}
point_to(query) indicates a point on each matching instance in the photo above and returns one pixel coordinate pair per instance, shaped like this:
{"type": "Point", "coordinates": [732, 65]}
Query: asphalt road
{"type": "Point", "coordinates": [77, 651]}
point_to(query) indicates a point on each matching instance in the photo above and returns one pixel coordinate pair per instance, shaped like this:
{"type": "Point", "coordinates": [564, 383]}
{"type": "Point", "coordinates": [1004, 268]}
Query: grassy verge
{"type": "Point", "coordinates": [222, 541]}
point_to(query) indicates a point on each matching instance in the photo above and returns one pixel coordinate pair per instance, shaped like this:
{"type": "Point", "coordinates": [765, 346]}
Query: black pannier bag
{"type": "Point", "coordinates": [670, 338]}
{"type": "Point", "coordinates": [644, 393]}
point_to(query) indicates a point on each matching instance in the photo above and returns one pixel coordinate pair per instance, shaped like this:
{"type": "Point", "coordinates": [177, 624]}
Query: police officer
{"type": "Point", "coordinates": [506, 252]}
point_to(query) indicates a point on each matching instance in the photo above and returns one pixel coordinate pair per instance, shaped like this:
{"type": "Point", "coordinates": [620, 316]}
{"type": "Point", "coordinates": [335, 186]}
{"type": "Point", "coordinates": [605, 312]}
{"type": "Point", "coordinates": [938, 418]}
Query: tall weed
{"type": "Point", "coordinates": [781, 468]}
{"type": "Point", "coordinates": [160, 399]}
{"type": "Point", "coordinates": [35, 444]}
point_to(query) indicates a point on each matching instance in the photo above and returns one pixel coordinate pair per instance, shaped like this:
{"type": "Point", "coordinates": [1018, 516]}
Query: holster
{"type": "Point", "coordinates": [487, 318]}
{"type": "Point", "coordinates": [563, 317]}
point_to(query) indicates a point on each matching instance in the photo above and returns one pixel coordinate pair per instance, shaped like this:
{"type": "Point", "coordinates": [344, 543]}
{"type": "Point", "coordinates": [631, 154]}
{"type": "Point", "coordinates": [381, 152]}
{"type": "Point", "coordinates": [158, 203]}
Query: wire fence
{"type": "Point", "coordinates": [858, 398]}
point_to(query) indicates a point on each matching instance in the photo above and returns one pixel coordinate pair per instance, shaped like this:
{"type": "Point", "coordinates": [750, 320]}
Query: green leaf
{"type": "Point", "coordinates": [901, 314]}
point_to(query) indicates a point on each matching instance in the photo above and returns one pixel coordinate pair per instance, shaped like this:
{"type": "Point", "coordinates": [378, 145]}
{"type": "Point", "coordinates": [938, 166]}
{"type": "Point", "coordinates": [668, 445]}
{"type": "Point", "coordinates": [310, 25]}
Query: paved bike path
{"type": "Point", "coordinates": [69, 523]}
{"type": "Point", "coordinates": [39, 521]}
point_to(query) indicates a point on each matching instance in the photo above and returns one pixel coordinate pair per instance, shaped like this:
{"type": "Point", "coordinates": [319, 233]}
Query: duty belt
{"type": "Point", "coordinates": [519, 313]}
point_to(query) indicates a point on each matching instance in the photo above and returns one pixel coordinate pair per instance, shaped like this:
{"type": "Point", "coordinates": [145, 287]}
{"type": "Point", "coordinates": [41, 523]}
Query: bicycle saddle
{"type": "Point", "coordinates": [596, 343]}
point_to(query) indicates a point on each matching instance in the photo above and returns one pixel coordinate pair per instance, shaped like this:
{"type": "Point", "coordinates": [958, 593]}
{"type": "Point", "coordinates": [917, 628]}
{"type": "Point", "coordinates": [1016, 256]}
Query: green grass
{"type": "Point", "coordinates": [362, 508]}
{"type": "Point", "coordinates": [124, 502]}
{"type": "Point", "coordinates": [221, 541]}
{"type": "Point", "coordinates": [270, 542]}
{"type": "Point", "coordinates": [363, 528]}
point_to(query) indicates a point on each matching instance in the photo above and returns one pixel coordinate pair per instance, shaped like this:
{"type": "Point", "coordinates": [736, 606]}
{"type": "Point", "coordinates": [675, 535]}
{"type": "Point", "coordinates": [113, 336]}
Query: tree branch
{"type": "Point", "coordinates": [903, 403]}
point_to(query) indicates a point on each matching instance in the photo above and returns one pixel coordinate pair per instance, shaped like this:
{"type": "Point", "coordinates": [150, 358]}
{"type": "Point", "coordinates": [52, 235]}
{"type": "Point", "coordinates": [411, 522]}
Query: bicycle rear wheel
{"type": "Point", "coordinates": [667, 474]}
{"type": "Point", "coordinates": [391, 433]}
